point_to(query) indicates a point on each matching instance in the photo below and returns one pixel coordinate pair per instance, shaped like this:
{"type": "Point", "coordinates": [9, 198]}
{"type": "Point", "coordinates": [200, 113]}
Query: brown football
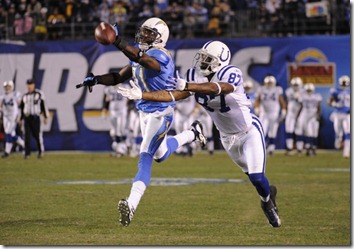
{"type": "Point", "coordinates": [104, 33]}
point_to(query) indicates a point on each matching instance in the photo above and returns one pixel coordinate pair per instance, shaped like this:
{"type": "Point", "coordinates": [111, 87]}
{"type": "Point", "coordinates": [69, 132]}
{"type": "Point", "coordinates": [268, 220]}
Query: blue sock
{"type": "Point", "coordinates": [172, 146]}
{"type": "Point", "coordinates": [261, 183]}
{"type": "Point", "coordinates": [144, 171]}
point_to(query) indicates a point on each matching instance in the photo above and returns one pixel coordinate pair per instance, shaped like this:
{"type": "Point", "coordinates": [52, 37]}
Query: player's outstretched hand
{"type": "Point", "coordinates": [89, 81]}
{"type": "Point", "coordinates": [178, 83]}
{"type": "Point", "coordinates": [131, 93]}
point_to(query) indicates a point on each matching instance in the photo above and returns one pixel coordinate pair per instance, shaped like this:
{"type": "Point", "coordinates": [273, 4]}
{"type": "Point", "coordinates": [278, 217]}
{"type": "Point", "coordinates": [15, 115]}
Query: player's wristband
{"type": "Point", "coordinates": [186, 87]}
{"type": "Point", "coordinates": [173, 98]}
{"type": "Point", "coordinates": [219, 88]}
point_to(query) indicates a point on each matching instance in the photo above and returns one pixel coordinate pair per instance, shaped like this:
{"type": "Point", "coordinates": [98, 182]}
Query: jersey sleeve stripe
{"type": "Point", "coordinates": [222, 72]}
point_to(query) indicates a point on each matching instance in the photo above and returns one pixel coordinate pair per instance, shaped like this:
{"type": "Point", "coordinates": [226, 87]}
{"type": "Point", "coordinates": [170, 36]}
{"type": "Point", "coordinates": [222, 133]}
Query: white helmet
{"type": "Point", "coordinates": [270, 81]}
{"type": "Point", "coordinates": [344, 81]}
{"type": "Point", "coordinates": [211, 57]}
{"type": "Point", "coordinates": [153, 33]}
{"type": "Point", "coordinates": [296, 82]}
{"type": "Point", "coordinates": [8, 86]}
{"type": "Point", "coordinates": [309, 87]}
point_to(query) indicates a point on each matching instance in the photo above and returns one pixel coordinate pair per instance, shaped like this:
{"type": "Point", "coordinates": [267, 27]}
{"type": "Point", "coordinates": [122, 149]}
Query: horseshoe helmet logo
{"type": "Point", "coordinates": [227, 55]}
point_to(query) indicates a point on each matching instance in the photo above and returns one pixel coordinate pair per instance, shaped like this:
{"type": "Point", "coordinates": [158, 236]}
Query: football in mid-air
{"type": "Point", "coordinates": [104, 33]}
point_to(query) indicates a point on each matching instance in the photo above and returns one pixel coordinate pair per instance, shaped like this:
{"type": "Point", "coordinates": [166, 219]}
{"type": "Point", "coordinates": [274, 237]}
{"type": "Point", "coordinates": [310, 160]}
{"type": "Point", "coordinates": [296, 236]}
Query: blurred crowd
{"type": "Point", "coordinates": [71, 19]}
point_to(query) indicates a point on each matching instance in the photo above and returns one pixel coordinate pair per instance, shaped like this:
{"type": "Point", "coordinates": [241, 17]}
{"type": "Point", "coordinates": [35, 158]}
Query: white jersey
{"type": "Point", "coordinates": [117, 103]}
{"type": "Point", "coordinates": [310, 104]}
{"type": "Point", "coordinates": [9, 104]}
{"type": "Point", "coordinates": [269, 97]}
{"type": "Point", "coordinates": [292, 98]}
{"type": "Point", "coordinates": [230, 112]}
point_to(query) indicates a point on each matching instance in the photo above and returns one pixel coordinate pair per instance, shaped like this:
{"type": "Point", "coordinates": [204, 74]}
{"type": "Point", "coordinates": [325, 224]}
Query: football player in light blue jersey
{"type": "Point", "coordinates": [340, 100]}
{"type": "Point", "coordinates": [150, 68]}
{"type": "Point", "coordinates": [218, 87]}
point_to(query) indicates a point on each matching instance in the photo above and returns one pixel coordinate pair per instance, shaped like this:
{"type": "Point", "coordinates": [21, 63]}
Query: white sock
{"type": "Point", "coordinates": [136, 192]}
{"type": "Point", "coordinates": [20, 142]}
{"type": "Point", "coordinates": [266, 199]}
{"type": "Point", "coordinates": [185, 137]}
{"type": "Point", "coordinates": [8, 147]}
{"type": "Point", "coordinates": [346, 149]}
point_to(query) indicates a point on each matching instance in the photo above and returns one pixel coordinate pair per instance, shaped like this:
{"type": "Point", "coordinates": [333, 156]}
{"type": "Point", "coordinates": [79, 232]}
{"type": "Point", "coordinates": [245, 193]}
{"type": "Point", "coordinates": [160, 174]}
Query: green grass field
{"type": "Point", "coordinates": [71, 199]}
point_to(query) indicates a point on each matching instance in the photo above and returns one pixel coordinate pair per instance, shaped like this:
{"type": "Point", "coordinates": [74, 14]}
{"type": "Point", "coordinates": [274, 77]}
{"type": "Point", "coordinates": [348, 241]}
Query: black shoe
{"type": "Point", "coordinates": [5, 155]}
{"type": "Point", "coordinates": [39, 155]}
{"type": "Point", "coordinates": [197, 128]}
{"type": "Point", "coordinates": [126, 214]}
{"type": "Point", "coordinates": [270, 209]}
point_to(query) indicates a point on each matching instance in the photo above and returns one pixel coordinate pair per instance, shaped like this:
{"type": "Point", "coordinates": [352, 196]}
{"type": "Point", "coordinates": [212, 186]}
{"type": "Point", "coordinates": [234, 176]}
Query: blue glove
{"type": "Point", "coordinates": [89, 81]}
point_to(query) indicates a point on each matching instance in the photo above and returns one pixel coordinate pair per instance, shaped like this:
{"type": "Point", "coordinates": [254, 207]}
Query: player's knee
{"type": "Point", "coordinates": [256, 179]}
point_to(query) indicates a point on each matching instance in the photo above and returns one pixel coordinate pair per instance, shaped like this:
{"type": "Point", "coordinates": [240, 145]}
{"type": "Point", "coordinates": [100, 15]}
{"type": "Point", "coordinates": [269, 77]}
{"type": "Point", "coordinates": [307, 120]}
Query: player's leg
{"type": "Point", "coordinates": [28, 123]}
{"type": "Point", "coordinates": [338, 130]}
{"type": "Point", "coordinates": [38, 135]}
{"type": "Point", "coordinates": [299, 133]}
{"type": "Point", "coordinates": [289, 132]}
{"type": "Point", "coordinates": [272, 132]}
{"type": "Point", "coordinates": [249, 153]}
{"type": "Point", "coordinates": [9, 129]}
{"type": "Point", "coordinates": [346, 130]}
{"type": "Point", "coordinates": [121, 118]}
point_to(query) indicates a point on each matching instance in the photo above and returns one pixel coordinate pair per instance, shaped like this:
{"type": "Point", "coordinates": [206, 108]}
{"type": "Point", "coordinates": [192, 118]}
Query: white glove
{"type": "Point", "coordinates": [131, 93]}
{"type": "Point", "coordinates": [283, 115]}
{"type": "Point", "coordinates": [178, 83]}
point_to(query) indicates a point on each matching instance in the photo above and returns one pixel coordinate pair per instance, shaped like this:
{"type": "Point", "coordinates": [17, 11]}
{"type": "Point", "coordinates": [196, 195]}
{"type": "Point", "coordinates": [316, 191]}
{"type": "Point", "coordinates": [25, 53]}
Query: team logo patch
{"type": "Point", "coordinates": [161, 181]}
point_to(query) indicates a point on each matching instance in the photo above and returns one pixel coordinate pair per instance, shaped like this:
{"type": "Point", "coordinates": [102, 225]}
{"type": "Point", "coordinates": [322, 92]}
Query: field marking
{"type": "Point", "coordinates": [331, 169]}
{"type": "Point", "coordinates": [161, 181]}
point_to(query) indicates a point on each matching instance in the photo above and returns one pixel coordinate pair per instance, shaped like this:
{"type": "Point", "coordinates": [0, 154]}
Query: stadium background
{"type": "Point", "coordinates": [76, 122]}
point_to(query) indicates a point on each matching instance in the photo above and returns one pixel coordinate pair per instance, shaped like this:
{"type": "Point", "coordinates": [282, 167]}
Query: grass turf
{"type": "Point", "coordinates": [38, 207]}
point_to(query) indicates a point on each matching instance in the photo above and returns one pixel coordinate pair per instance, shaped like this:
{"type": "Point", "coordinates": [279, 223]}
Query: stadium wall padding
{"type": "Point", "coordinates": [76, 122]}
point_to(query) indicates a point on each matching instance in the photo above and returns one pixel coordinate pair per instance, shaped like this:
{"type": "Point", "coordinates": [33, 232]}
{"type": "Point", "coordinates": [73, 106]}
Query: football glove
{"type": "Point", "coordinates": [178, 83]}
{"type": "Point", "coordinates": [89, 81]}
{"type": "Point", "coordinates": [133, 93]}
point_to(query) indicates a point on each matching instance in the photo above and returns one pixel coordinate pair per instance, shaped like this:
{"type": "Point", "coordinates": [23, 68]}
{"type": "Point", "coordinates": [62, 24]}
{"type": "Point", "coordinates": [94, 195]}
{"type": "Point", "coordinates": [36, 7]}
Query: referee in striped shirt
{"type": "Point", "coordinates": [32, 107]}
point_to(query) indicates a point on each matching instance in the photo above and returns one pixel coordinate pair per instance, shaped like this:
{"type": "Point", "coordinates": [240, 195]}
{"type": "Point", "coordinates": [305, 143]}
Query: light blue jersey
{"type": "Point", "coordinates": [150, 80]}
{"type": "Point", "coordinates": [342, 98]}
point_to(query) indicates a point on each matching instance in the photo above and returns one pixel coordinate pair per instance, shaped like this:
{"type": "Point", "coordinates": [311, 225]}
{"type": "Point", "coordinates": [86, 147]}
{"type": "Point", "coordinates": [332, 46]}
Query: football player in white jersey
{"type": "Point", "coordinates": [218, 87]}
{"type": "Point", "coordinates": [9, 103]}
{"type": "Point", "coordinates": [183, 119]}
{"type": "Point", "coordinates": [340, 100]}
{"type": "Point", "coordinates": [251, 93]}
{"type": "Point", "coordinates": [270, 106]}
{"type": "Point", "coordinates": [118, 114]}
{"type": "Point", "coordinates": [292, 93]}
{"type": "Point", "coordinates": [307, 125]}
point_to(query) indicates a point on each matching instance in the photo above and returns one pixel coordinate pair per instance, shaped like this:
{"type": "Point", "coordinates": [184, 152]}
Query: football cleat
{"type": "Point", "coordinates": [126, 214]}
{"type": "Point", "coordinates": [5, 155]}
{"type": "Point", "coordinates": [270, 208]}
{"type": "Point", "coordinates": [197, 128]}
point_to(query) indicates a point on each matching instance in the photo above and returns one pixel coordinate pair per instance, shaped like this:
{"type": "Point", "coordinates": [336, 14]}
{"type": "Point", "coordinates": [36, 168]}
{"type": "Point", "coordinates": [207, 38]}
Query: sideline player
{"type": "Point", "coordinates": [9, 107]}
{"type": "Point", "coordinates": [340, 100]}
{"type": "Point", "coordinates": [218, 87]}
{"type": "Point", "coordinates": [308, 123]}
{"type": "Point", "coordinates": [118, 114]}
{"type": "Point", "coordinates": [150, 67]}
{"type": "Point", "coordinates": [269, 102]}
{"type": "Point", "coordinates": [292, 94]}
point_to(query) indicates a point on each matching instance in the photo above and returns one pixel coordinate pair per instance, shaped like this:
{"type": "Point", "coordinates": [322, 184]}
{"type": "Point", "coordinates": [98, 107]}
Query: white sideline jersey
{"type": "Point", "coordinates": [292, 98]}
{"type": "Point", "coordinates": [9, 104]}
{"type": "Point", "coordinates": [117, 103]}
{"type": "Point", "coordinates": [310, 104]}
{"type": "Point", "coordinates": [230, 112]}
{"type": "Point", "coordinates": [269, 97]}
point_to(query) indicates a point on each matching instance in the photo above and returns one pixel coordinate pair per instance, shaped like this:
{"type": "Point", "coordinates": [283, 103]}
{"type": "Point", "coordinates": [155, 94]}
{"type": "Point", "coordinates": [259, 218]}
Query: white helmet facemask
{"type": "Point", "coordinates": [153, 33]}
{"type": "Point", "coordinates": [296, 83]}
{"type": "Point", "coordinates": [211, 57]}
{"type": "Point", "coordinates": [270, 81]}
